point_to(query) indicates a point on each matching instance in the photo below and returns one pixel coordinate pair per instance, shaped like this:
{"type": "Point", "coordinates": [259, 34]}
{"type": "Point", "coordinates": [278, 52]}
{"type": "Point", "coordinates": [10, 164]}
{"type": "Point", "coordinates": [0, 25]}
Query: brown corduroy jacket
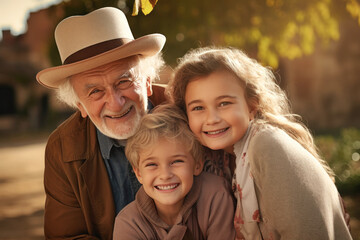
{"type": "Point", "coordinates": [79, 202]}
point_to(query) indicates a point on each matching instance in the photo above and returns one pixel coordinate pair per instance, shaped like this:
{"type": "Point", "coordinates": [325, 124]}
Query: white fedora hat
{"type": "Point", "coordinates": [89, 41]}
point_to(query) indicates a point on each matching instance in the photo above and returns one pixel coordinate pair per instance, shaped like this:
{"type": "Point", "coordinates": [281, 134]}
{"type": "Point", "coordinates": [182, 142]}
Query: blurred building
{"type": "Point", "coordinates": [24, 103]}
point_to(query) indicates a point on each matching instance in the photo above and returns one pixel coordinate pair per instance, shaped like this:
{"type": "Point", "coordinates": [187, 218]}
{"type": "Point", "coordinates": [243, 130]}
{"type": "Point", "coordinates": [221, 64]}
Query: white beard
{"type": "Point", "coordinates": [126, 130]}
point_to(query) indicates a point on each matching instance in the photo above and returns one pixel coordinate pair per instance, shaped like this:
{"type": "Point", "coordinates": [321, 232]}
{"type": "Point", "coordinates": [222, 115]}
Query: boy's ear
{"type": "Point", "coordinates": [138, 175]}
{"type": "Point", "coordinates": [198, 168]}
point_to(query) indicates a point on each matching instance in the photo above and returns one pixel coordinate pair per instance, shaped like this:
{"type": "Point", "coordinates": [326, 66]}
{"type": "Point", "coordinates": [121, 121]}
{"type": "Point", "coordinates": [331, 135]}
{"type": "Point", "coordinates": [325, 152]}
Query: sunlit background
{"type": "Point", "coordinates": [313, 47]}
{"type": "Point", "coordinates": [14, 14]}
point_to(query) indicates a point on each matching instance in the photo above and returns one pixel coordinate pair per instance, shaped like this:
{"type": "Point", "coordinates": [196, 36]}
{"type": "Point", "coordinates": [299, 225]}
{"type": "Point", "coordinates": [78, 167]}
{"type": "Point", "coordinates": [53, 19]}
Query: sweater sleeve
{"type": "Point", "coordinates": [216, 208]}
{"type": "Point", "coordinates": [129, 224]}
{"type": "Point", "coordinates": [297, 198]}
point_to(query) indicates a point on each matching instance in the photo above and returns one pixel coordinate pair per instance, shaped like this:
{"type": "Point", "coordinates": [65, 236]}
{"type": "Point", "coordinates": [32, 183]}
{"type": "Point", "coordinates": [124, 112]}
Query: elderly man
{"type": "Point", "coordinates": [107, 75]}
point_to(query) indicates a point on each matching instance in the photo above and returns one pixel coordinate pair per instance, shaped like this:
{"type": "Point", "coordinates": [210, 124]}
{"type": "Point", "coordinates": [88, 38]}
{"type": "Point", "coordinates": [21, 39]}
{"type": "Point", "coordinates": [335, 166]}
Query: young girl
{"type": "Point", "coordinates": [284, 190]}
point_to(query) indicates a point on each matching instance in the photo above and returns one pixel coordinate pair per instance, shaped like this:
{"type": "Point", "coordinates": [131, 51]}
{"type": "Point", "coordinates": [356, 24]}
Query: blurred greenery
{"type": "Point", "coordinates": [342, 152]}
{"type": "Point", "coordinates": [268, 29]}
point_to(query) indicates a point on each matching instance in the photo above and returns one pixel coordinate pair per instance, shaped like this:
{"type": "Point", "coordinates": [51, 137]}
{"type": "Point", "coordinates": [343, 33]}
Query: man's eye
{"type": "Point", "coordinates": [125, 83]}
{"type": "Point", "coordinates": [94, 91]}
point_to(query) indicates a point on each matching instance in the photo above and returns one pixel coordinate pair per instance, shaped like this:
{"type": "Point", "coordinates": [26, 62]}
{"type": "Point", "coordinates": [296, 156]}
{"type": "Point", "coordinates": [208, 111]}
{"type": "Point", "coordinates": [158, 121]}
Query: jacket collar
{"type": "Point", "coordinates": [77, 138]}
{"type": "Point", "coordinates": [105, 144]}
{"type": "Point", "coordinates": [79, 149]}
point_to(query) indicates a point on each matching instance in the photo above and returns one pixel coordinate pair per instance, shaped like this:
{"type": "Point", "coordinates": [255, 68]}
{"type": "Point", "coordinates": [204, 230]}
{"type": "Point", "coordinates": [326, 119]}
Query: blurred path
{"type": "Point", "coordinates": [21, 192]}
{"type": "Point", "coordinates": [22, 195]}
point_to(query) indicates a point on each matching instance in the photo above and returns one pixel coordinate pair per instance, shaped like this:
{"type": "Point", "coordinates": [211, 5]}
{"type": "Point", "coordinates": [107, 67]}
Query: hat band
{"type": "Point", "coordinates": [96, 49]}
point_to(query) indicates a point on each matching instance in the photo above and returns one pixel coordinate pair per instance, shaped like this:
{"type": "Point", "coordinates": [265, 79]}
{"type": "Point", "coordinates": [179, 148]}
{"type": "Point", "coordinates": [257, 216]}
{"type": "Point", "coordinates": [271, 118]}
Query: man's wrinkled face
{"type": "Point", "coordinates": [114, 96]}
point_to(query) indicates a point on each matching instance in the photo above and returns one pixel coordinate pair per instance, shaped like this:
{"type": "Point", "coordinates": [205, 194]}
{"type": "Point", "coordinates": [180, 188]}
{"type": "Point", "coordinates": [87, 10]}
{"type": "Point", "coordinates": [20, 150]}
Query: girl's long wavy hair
{"type": "Point", "coordinates": [261, 90]}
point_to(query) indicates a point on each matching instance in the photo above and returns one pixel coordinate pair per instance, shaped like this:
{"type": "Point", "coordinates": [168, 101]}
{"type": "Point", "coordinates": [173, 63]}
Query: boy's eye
{"type": "Point", "coordinates": [150, 165]}
{"type": "Point", "coordinates": [177, 161]}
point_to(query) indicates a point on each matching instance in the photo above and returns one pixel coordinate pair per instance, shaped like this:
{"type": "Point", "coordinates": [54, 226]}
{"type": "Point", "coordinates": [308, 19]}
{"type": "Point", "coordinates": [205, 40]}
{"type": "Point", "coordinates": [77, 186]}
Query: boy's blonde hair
{"type": "Point", "coordinates": [166, 121]}
{"type": "Point", "coordinates": [261, 90]}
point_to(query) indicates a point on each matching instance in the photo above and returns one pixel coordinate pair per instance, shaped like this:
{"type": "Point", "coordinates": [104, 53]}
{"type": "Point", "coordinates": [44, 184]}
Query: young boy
{"type": "Point", "coordinates": [176, 200]}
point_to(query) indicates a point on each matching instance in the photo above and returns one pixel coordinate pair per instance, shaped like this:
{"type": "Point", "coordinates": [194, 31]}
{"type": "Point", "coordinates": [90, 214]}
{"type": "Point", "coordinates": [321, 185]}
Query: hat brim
{"type": "Point", "coordinates": [148, 45]}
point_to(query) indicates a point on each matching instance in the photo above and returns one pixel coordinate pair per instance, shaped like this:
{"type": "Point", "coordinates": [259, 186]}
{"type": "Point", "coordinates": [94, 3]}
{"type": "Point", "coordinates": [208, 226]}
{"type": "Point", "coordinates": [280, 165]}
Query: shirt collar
{"type": "Point", "coordinates": [105, 144]}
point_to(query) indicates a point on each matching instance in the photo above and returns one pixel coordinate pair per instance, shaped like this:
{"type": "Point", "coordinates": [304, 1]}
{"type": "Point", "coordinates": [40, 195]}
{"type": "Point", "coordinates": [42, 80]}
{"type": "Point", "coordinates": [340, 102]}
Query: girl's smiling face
{"type": "Point", "coordinates": [217, 110]}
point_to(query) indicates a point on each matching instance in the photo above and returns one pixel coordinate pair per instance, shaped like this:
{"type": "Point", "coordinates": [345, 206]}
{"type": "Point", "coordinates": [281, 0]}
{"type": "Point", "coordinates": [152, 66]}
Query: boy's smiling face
{"type": "Point", "coordinates": [166, 170]}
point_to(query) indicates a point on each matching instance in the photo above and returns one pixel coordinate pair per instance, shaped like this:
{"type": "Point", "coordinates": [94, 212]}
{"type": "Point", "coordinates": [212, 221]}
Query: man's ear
{"type": "Point", "coordinates": [82, 110]}
{"type": "Point", "coordinates": [198, 167]}
{"type": "Point", "coordinates": [149, 87]}
{"type": "Point", "coordinates": [138, 175]}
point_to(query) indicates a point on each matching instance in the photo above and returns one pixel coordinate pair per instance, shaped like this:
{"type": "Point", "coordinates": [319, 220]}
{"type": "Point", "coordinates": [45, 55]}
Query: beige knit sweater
{"type": "Point", "coordinates": [297, 198]}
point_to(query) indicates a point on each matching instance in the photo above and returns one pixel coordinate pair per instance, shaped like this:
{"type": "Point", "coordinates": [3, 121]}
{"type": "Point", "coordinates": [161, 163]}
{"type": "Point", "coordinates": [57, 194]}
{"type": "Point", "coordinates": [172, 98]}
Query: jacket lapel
{"type": "Point", "coordinates": [95, 176]}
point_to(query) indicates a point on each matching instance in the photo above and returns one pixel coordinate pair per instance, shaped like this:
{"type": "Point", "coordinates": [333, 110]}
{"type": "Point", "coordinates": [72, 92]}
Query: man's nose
{"type": "Point", "coordinates": [115, 99]}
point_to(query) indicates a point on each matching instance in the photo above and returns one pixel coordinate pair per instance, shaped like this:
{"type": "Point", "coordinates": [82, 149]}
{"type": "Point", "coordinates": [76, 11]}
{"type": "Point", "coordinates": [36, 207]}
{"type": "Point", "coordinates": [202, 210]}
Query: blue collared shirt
{"type": "Point", "coordinates": [124, 183]}
{"type": "Point", "coordinates": [122, 178]}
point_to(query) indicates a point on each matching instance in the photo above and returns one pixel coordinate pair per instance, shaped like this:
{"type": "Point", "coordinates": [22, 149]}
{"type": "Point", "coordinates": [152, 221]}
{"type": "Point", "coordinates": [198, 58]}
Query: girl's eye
{"type": "Point", "coordinates": [197, 108]}
{"type": "Point", "coordinates": [224, 104]}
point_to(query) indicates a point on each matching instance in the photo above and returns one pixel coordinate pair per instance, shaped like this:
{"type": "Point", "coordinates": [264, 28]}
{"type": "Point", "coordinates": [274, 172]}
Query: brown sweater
{"type": "Point", "coordinates": [207, 213]}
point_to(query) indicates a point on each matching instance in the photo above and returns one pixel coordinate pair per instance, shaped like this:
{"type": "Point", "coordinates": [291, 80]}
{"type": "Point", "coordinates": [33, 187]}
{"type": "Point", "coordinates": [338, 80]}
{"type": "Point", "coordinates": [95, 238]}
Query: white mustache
{"type": "Point", "coordinates": [125, 110]}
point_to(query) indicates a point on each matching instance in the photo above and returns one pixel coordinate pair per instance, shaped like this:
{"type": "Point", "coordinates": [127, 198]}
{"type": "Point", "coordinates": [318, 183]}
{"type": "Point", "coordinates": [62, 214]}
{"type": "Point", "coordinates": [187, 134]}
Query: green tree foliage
{"type": "Point", "coordinates": [342, 152]}
{"type": "Point", "coordinates": [267, 29]}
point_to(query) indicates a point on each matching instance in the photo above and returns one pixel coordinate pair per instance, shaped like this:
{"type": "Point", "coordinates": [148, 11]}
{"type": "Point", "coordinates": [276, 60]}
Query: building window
{"type": "Point", "coordinates": [7, 100]}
